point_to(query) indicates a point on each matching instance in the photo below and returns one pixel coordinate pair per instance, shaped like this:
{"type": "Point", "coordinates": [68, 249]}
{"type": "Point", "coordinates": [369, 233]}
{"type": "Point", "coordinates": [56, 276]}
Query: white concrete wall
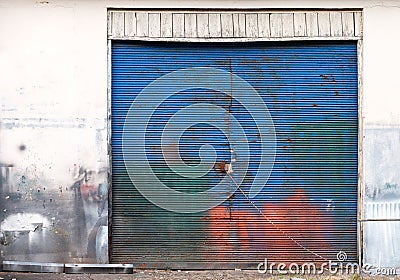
{"type": "Point", "coordinates": [381, 110]}
{"type": "Point", "coordinates": [381, 61]}
{"type": "Point", "coordinates": [53, 90]}
{"type": "Point", "coordinates": [53, 113]}
{"type": "Point", "coordinates": [53, 67]}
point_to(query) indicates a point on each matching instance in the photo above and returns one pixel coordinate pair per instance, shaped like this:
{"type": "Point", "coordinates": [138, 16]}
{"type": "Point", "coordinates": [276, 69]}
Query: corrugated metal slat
{"type": "Point", "coordinates": [311, 92]}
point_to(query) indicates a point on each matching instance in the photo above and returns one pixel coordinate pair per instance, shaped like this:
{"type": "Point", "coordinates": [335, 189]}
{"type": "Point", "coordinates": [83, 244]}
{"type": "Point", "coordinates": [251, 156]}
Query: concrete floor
{"type": "Point", "coordinates": [175, 275]}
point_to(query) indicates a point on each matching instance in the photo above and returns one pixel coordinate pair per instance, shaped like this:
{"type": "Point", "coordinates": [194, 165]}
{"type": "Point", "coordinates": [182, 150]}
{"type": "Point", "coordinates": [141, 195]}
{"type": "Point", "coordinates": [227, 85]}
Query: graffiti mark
{"type": "Point", "coordinates": [94, 236]}
{"type": "Point", "coordinates": [90, 207]}
{"type": "Point", "coordinates": [235, 229]}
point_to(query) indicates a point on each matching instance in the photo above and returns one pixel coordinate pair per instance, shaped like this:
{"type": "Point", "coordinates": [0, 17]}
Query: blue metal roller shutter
{"type": "Point", "coordinates": [311, 91]}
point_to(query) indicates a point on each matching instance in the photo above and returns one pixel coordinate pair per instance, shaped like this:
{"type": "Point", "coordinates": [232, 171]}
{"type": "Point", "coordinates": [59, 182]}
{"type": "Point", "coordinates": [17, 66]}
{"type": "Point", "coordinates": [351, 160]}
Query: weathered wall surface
{"type": "Point", "coordinates": [381, 135]}
{"type": "Point", "coordinates": [53, 137]}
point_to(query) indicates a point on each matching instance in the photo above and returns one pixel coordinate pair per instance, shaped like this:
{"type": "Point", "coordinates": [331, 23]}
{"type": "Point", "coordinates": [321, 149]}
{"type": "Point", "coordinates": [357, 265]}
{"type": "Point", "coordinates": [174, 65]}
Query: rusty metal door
{"type": "Point", "coordinates": [306, 209]}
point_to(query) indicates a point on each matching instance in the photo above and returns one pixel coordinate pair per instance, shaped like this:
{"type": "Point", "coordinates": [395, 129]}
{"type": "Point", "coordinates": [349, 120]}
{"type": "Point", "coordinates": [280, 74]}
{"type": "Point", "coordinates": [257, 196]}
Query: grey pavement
{"type": "Point", "coordinates": [175, 275]}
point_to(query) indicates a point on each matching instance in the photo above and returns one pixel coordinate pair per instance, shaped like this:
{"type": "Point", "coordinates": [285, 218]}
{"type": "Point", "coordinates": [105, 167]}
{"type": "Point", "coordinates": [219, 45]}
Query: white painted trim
{"type": "Point", "coordinates": [235, 25]}
{"type": "Point", "coordinates": [220, 39]}
{"type": "Point", "coordinates": [109, 149]}
{"type": "Point", "coordinates": [361, 187]}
